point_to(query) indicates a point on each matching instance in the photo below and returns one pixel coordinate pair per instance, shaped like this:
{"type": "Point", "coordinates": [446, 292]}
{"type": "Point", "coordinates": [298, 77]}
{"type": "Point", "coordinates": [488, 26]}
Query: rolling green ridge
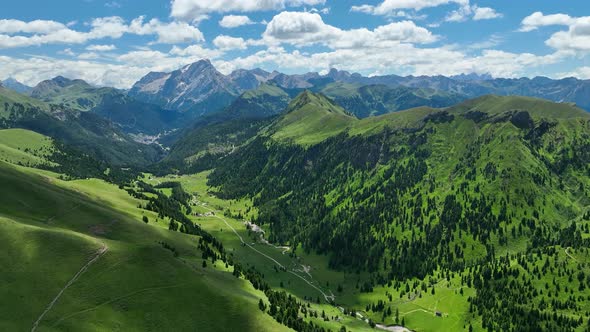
{"type": "Point", "coordinates": [371, 100]}
{"type": "Point", "coordinates": [310, 118]}
{"type": "Point", "coordinates": [84, 131]}
{"type": "Point", "coordinates": [19, 146]}
{"type": "Point", "coordinates": [463, 191]}
{"type": "Point", "coordinates": [131, 115]}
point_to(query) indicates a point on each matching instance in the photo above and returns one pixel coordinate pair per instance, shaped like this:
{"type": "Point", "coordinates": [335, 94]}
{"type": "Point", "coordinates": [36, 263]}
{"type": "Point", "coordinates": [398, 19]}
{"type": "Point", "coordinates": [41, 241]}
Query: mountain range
{"type": "Point", "coordinates": [200, 89]}
{"type": "Point", "coordinates": [312, 202]}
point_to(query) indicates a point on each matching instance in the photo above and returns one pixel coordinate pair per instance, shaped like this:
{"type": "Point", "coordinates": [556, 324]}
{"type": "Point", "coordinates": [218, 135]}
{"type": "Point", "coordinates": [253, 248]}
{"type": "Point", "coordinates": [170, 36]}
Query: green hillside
{"type": "Point", "coordinates": [84, 131]}
{"type": "Point", "coordinates": [51, 229]}
{"type": "Point", "coordinates": [9, 97]}
{"type": "Point", "coordinates": [371, 100]}
{"type": "Point", "coordinates": [19, 146]}
{"type": "Point", "coordinates": [73, 94]}
{"type": "Point", "coordinates": [267, 100]}
{"type": "Point", "coordinates": [131, 115]}
{"type": "Point", "coordinates": [311, 118]}
{"type": "Point", "coordinates": [467, 194]}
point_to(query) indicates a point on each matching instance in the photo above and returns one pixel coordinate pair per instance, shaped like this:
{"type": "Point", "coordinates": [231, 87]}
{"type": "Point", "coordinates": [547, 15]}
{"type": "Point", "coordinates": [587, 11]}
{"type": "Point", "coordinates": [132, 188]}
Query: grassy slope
{"type": "Point", "coordinates": [84, 131]}
{"type": "Point", "coordinates": [316, 120]}
{"type": "Point", "coordinates": [374, 100]}
{"type": "Point", "coordinates": [77, 95]}
{"type": "Point", "coordinates": [539, 108]}
{"type": "Point", "coordinates": [50, 229]}
{"type": "Point", "coordinates": [8, 96]}
{"type": "Point", "coordinates": [311, 118]}
{"type": "Point", "coordinates": [24, 146]}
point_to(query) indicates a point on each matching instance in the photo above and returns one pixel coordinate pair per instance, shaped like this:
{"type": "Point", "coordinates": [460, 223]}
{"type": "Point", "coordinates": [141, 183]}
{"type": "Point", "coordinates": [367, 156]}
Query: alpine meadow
{"type": "Point", "coordinates": [295, 165]}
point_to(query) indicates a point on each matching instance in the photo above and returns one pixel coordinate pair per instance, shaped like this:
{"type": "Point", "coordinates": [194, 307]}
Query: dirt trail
{"type": "Point", "coordinates": [328, 298]}
{"type": "Point", "coordinates": [569, 255]}
{"type": "Point", "coordinates": [99, 253]}
{"type": "Point", "coordinates": [50, 219]}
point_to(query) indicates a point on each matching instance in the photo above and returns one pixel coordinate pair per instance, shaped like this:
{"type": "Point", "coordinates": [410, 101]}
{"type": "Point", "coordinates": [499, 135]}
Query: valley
{"type": "Point", "coordinates": [271, 202]}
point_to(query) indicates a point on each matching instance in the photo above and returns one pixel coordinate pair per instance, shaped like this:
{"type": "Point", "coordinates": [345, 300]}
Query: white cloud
{"type": "Point", "coordinates": [581, 73]}
{"type": "Point", "coordinates": [404, 59]}
{"type": "Point", "coordinates": [195, 51]}
{"type": "Point", "coordinates": [88, 56]}
{"type": "Point", "coordinates": [472, 11]}
{"type": "Point", "coordinates": [101, 48]}
{"type": "Point", "coordinates": [460, 14]}
{"type": "Point", "coordinates": [114, 27]}
{"type": "Point", "coordinates": [390, 7]}
{"type": "Point", "coordinates": [396, 8]}
{"type": "Point", "coordinates": [33, 70]}
{"type": "Point", "coordinates": [168, 33]}
{"type": "Point", "coordinates": [198, 9]}
{"type": "Point", "coordinates": [404, 31]}
{"type": "Point", "coordinates": [575, 39]}
{"type": "Point", "coordinates": [67, 51]}
{"type": "Point", "coordinates": [234, 21]}
{"type": "Point", "coordinates": [229, 43]}
{"type": "Point", "coordinates": [305, 28]}
{"type": "Point", "coordinates": [36, 26]}
{"type": "Point", "coordinates": [538, 19]}
{"type": "Point", "coordinates": [485, 13]}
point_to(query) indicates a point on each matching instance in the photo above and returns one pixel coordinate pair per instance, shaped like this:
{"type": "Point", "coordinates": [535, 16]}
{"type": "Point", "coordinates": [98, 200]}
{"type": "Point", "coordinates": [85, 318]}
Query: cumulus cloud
{"type": "Point", "coordinates": [390, 7]}
{"type": "Point", "coordinates": [538, 19]}
{"type": "Point", "coordinates": [472, 11]}
{"type": "Point", "coordinates": [33, 70]}
{"type": "Point", "coordinates": [123, 70]}
{"type": "Point", "coordinates": [403, 59]}
{"type": "Point", "coordinates": [199, 9]}
{"type": "Point", "coordinates": [114, 27]}
{"type": "Point", "coordinates": [168, 33]}
{"type": "Point", "coordinates": [88, 55]}
{"type": "Point", "coordinates": [575, 39]}
{"type": "Point", "coordinates": [36, 26]}
{"type": "Point", "coordinates": [485, 13]}
{"type": "Point", "coordinates": [101, 48]}
{"type": "Point", "coordinates": [581, 73]}
{"type": "Point", "coordinates": [223, 42]}
{"type": "Point", "coordinates": [306, 28]}
{"type": "Point", "coordinates": [397, 8]}
{"type": "Point", "coordinates": [195, 51]}
{"type": "Point", "coordinates": [234, 21]}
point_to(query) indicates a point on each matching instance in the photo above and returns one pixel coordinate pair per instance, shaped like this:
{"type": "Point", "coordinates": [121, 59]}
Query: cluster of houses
{"type": "Point", "coordinates": [206, 214]}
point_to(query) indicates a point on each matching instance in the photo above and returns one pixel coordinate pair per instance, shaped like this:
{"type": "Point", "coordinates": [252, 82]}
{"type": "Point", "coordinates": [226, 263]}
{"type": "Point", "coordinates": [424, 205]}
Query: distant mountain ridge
{"type": "Point", "coordinates": [132, 115]}
{"type": "Point", "coordinates": [13, 84]}
{"type": "Point", "coordinates": [197, 88]}
{"type": "Point", "coordinates": [85, 131]}
{"type": "Point", "coordinates": [200, 89]}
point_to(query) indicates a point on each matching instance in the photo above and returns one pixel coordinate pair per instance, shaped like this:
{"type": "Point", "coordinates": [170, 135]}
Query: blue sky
{"type": "Point", "coordinates": [116, 42]}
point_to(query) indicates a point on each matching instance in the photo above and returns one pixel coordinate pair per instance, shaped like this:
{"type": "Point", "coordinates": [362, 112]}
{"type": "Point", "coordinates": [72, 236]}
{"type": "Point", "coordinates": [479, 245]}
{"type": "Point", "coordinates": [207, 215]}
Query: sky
{"type": "Point", "coordinates": [116, 42]}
